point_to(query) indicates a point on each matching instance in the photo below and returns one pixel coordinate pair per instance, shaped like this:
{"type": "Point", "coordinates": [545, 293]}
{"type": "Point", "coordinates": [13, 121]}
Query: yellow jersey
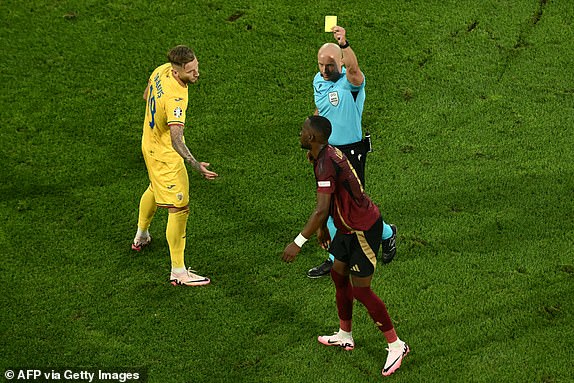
{"type": "Point", "coordinates": [166, 104]}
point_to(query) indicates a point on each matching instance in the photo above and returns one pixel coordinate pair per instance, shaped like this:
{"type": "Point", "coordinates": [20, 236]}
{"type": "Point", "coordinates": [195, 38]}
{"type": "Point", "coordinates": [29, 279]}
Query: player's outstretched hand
{"type": "Point", "coordinates": [208, 174]}
{"type": "Point", "coordinates": [291, 252]}
{"type": "Point", "coordinates": [339, 34]}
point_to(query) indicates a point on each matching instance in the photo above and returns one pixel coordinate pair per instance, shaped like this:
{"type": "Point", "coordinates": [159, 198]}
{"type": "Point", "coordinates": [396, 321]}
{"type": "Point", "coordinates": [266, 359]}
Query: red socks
{"type": "Point", "coordinates": [345, 293]}
{"type": "Point", "coordinates": [344, 298]}
{"type": "Point", "coordinates": [377, 310]}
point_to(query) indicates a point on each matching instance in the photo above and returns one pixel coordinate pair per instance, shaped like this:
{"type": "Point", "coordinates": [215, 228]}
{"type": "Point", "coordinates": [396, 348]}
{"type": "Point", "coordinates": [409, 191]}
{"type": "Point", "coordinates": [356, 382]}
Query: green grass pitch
{"type": "Point", "coordinates": [470, 105]}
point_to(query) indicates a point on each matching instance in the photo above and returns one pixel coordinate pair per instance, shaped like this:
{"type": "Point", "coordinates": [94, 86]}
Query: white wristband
{"type": "Point", "coordinates": [300, 240]}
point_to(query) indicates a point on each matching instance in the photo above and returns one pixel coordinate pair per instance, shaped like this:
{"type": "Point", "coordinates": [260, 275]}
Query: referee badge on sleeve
{"type": "Point", "coordinates": [177, 112]}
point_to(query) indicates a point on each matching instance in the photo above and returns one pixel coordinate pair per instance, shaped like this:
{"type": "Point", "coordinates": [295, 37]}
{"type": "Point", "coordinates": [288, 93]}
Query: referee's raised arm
{"type": "Point", "coordinates": [354, 74]}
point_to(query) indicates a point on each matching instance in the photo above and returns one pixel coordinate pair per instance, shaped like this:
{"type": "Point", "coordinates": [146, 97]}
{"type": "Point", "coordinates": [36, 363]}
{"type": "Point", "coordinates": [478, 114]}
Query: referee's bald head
{"type": "Point", "coordinates": [330, 50]}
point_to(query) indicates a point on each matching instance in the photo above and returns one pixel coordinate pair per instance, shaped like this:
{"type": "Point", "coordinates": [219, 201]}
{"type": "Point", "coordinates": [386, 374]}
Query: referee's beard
{"type": "Point", "coordinates": [333, 76]}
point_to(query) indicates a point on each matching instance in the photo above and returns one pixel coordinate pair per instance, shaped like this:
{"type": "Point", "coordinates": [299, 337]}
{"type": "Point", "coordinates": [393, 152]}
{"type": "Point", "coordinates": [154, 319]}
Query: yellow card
{"type": "Point", "coordinates": [330, 22]}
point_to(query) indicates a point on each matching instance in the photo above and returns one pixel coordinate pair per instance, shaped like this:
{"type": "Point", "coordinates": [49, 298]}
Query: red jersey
{"type": "Point", "coordinates": [351, 208]}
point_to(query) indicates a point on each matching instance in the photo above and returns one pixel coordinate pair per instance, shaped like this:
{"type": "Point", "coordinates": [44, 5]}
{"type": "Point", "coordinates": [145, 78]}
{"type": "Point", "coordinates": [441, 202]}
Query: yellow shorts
{"type": "Point", "coordinates": [169, 182]}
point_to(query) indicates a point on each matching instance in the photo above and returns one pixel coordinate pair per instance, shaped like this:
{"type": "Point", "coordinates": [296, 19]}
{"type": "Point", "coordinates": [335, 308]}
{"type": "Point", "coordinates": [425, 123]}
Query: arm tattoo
{"type": "Point", "coordinates": [179, 146]}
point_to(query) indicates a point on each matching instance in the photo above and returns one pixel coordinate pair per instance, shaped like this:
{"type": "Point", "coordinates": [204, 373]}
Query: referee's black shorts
{"type": "Point", "coordinates": [357, 155]}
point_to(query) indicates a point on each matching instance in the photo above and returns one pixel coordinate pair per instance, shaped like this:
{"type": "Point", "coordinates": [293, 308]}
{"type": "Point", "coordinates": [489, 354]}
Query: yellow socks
{"type": "Point", "coordinates": [175, 233]}
{"type": "Point", "coordinates": [147, 210]}
{"type": "Point", "coordinates": [176, 227]}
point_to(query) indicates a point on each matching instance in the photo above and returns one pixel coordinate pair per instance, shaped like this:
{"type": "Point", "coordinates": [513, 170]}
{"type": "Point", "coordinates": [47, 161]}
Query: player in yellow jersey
{"type": "Point", "coordinates": [165, 153]}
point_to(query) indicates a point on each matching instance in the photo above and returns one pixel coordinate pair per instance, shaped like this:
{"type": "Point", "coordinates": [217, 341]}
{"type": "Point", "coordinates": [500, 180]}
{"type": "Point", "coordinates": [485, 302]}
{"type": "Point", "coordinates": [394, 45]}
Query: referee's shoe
{"type": "Point", "coordinates": [321, 270]}
{"type": "Point", "coordinates": [390, 246]}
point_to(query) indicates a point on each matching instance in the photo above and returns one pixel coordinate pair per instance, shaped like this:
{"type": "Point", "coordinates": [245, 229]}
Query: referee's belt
{"type": "Point", "coordinates": [363, 145]}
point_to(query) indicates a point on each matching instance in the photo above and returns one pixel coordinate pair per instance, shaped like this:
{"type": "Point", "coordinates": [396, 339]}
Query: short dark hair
{"type": "Point", "coordinates": [321, 125]}
{"type": "Point", "coordinates": [180, 55]}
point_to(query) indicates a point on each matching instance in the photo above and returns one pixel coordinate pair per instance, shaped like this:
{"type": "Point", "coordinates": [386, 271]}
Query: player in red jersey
{"type": "Point", "coordinates": [356, 244]}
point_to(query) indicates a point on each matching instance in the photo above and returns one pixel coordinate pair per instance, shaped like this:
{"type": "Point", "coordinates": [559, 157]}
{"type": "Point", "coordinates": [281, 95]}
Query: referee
{"type": "Point", "coordinates": [339, 92]}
